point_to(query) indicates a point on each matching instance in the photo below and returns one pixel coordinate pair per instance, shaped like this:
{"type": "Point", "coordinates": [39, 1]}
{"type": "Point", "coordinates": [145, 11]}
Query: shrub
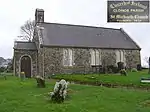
{"type": "Point", "coordinates": [123, 72]}
{"type": "Point", "coordinates": [60, 91]}
{"type": "Point", "coordinates": [110, 68]}
{"type": "Point", "coordinates": [104, 70]}
{"type": "Point", "coordinates": [2, 69]}
{"type": "Point", "coordinates": [134, 70]}
{"type": "Point", "coordinates": [115, 69]}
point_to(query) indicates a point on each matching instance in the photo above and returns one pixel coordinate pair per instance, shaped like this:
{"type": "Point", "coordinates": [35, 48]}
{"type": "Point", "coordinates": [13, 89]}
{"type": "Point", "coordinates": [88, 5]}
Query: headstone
{"type": "Point", "coordinates": [120, 65]}
{"type": "Point", "coordinates": [22, 76]}
{"type": "Point", "coordinates": [40, 82]}
{"type": "Point", "coordinates": [139, 68]}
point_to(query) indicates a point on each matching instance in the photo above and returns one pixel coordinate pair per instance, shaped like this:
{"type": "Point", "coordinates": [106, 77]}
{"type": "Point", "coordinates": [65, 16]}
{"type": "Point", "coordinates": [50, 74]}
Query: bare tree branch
{"type": "Point", "coordinates": [146, 59]}
{"type": "Point", "coordinates": [27, 30]}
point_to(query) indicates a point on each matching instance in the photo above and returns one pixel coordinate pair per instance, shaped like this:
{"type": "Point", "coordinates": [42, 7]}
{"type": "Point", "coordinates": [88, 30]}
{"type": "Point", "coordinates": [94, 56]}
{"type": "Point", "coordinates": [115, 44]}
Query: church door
{"type": "Point", "coordinates": [26, 66]}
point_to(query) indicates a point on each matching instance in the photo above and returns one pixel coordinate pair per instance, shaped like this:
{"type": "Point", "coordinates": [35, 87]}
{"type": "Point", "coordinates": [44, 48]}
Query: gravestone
{"type": "Point", "coordinates": [120, 65]}
{"type": "Point", "coordinates": [40, 82]}
{"type": "Point", "coordinates": [139, 68]}
{"type": "Point", "coordinates": [22, 76]}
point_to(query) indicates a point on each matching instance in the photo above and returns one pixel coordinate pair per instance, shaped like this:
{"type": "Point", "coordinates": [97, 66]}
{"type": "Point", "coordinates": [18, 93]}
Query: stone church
{"type": "Point", "coordinates": [69, 49]}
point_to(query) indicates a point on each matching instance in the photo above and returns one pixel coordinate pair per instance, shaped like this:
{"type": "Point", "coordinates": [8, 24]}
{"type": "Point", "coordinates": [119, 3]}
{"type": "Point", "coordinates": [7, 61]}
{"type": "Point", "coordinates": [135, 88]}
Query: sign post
{"type": "Point", "coordinates": [149, 66]}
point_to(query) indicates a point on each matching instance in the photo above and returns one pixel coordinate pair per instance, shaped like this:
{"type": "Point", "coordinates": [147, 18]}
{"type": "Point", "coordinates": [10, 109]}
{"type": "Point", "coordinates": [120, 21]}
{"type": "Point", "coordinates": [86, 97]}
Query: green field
{"type": "Point", "coordinates": [132, 79]}
{"type": "Point", "coordinates": [18, 96]}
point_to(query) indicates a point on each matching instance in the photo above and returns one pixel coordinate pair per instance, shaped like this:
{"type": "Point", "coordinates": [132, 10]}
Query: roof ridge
{"type": "Point", "coordinates": [81, 25]}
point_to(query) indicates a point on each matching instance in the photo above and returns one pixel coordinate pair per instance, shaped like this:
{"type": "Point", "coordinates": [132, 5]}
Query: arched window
{"type": "Point", "coordinates": [92, 57]}
{"type": "Point", "coordinates": [95, 57]}
{"type": "Point", "coordinates": [67, 57]}
{"type": "Point", "coordinates": [120, 56]}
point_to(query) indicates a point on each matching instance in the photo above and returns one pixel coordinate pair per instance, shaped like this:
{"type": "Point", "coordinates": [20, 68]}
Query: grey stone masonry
{"type": "Point", "coordinates": [132, 58]}
{"type": "Point", "coordinates": [108, 57]}
{"type": "Point", "coordinates": [82, 60]}
{"type": "Point", "coordinates": [17, 56]}
{"type": "Point", "coordinates": [40, 62]}
{"type": "Point", "coordinates": [53, 60]}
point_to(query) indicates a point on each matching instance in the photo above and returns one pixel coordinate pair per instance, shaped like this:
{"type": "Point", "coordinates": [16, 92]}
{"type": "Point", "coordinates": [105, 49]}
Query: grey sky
{"type": "Point", "coordinates": [13, 13]}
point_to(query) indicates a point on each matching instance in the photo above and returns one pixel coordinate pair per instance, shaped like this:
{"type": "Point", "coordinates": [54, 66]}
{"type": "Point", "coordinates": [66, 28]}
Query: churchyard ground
{"type": "Point", "coordinates": [131, 80]}
{"type": "Point", "coordinates": [24, 96]}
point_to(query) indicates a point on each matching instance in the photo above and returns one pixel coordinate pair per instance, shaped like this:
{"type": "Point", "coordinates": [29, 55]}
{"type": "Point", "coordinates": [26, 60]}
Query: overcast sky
{"type": "Point", "coordinates": [13, 13]}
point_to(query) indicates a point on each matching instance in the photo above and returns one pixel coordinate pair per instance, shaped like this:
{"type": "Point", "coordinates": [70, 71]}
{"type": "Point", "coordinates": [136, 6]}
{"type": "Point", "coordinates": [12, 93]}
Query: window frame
{"type": "Point", "coordinates": [67, 56]}
{"type": "Point", "coordinates": [95, 57]}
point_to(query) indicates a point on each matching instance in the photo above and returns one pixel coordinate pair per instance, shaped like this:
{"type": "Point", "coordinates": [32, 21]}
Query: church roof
{"type": "Point", "coordinates": [23, 45]}
{"type": "Point", "coordinates": [66, 35]}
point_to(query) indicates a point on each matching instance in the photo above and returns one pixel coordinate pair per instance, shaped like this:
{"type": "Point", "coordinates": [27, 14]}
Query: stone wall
{"type": "Point", "coordinates": [18, 54]}
{"type": "Point", "coordinates": [82, 60]}
{"type": "Point", "coordinates": [40, 59]}
{"type": "Point", "coordinates": [132, 58]}
{"type": "Point", "coordinates": [53, 60]}
{"type": "Point", "coordinates": [108, 57]}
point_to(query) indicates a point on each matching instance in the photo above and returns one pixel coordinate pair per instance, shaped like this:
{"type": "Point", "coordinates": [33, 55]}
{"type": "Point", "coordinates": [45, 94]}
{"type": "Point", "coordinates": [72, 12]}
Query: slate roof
{"type": "Point", "coordinates": [85, 36]}
{"type": "Point", "coordinates": [22, 45]}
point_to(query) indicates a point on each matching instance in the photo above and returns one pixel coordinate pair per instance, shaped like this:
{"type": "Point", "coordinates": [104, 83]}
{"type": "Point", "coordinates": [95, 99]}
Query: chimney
{"type": "Point", "coordinates": [39, 16]}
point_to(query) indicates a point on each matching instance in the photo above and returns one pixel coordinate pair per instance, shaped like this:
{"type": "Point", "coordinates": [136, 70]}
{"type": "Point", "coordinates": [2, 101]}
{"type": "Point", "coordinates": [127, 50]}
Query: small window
{"type": "Point", "coordinates": [120, 56]}
{"type": "Point", "coordinates": [95, 57]}
{"type": "Point", "coordinates": [67, 57]}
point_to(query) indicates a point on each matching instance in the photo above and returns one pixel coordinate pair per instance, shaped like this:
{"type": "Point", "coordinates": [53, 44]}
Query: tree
{"type": "Point", "coordinates": [2, 69]}
{"type": "Point", "coordinates": [10, 67]}
{"type": "Point", "coordinates": [27, 30]}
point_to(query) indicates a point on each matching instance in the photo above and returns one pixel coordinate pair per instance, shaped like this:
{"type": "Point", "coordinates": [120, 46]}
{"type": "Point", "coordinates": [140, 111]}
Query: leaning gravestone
{"type": "Point", "coordinates": [60, 91]}
{"type": "Point", "coordinates": [40, 81]}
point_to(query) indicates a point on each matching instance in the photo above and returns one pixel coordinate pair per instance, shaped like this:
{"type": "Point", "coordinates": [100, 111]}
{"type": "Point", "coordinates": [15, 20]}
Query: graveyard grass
{"type": "Point", "coordinates": [132, 79]}
{"type": "Point", "coordinates": [24, 96]}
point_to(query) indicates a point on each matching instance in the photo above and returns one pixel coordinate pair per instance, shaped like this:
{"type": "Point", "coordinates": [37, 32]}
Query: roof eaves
{"type": "Point", "coordinates": [24, 42]}
{"type": "Point", "coordinates": [88, 47]}
{"type": "Point", "coordinates": [25, 49]}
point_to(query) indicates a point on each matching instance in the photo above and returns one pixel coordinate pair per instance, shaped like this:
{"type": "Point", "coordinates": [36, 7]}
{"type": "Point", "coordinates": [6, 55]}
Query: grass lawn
{"type": "Point", "coordinates": [133, 78]}
{"type": "Point", "coordinates": [17, 96]}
